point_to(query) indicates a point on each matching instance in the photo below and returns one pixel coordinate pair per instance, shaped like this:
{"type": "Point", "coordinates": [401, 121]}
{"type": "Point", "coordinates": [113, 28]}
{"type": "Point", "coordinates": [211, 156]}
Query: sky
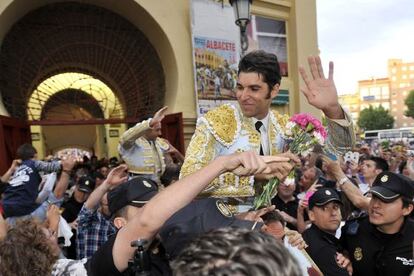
{"type": "Point", "coordinates": [359, 36]}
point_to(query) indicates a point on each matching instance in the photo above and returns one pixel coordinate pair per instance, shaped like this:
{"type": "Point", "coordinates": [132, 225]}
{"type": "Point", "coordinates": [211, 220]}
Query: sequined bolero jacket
{"type": "Point", "coordinates": [224, 130]}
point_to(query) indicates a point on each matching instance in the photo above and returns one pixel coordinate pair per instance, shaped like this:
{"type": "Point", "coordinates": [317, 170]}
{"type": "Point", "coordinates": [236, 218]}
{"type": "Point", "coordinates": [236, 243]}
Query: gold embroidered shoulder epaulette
{"type": "Point", "coordinates": [280, 121]}
{"type": "Point", "coordinates": [224, 123]}
{"type": "Point", "coordinates": [164, 145]}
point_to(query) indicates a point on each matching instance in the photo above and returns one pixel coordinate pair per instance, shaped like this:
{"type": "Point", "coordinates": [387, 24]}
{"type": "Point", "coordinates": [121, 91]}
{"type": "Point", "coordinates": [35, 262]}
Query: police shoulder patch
{"type": "Point", "coordinates": [358, 254]}
{"type": "Point", "coordinates": [223, 208]}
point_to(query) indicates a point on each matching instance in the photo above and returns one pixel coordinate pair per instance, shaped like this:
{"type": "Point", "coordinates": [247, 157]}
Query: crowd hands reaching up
{"type": "Point", "coordinates": [63, 219]}
{"type": "Point", "coordinates": [82, 209]}
{"type": "Point", "coordinates": [78, 204]}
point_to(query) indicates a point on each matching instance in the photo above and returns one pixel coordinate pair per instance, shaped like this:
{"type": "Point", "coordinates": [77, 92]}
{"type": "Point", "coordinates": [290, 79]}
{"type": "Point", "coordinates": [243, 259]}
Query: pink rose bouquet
{"type": "Point", "coordinates": [302, 133]}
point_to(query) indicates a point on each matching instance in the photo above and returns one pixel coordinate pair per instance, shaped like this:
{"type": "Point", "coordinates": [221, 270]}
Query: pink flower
{"type": "Point", "coordinates": [304, 119]}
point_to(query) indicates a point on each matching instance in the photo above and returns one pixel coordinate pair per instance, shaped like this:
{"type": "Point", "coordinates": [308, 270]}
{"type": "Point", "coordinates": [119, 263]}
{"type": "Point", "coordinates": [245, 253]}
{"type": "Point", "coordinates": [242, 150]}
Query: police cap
{"type": "Point", "coordinates": [388, 186]}
{"type": "Point", "coordinates": [323, 196]}
{"type": "Point", "coordinates": [86, 184]}
{"type": "Point", "coordinates": [136, 192]}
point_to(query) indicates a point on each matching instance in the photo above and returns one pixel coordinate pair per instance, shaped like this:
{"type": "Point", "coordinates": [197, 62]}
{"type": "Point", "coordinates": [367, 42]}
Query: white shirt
{"type": "Point", "coordinates": [264, 134]}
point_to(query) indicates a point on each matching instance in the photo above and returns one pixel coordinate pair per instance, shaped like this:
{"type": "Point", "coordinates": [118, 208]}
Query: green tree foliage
{"type": "Point", "coordinates": [409, 102]}
{"type": "Point", "coordinates": [375, 118]}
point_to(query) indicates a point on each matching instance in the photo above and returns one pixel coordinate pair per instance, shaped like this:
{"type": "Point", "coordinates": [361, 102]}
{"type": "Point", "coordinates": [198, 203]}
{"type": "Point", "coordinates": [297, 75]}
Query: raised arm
{"type": "Point", "coordinates": [115, 177]}
{"type": "Point", "coordinates": [178, 195]}
{"type": "Point", "coordinates": [48, 167]}
{"type": "Point", "coordinates": [63, 182]}
{"type": "Point", "coordinates": [321, 93]}
{"type": "Point", "coordinates": [128, 138]}
{"type": "Point", "coordinates": [351, 191]}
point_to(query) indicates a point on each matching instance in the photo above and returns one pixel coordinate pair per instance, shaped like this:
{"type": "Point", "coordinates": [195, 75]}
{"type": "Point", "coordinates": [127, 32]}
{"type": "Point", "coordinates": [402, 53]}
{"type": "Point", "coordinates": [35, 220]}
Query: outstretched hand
{"type": "Point", "coordinates": [158, 116]}
{"type": "Point", "coordinates": [333, 168]}
{"type": "Point", "coordinates": [280, 169]}
{"type": "Point", "coordinates": [250, 163]}
{"type": "Point", "coordinates": [68, 162]}
{"type": "Point", "coordinates": [117, 175]}
{"type": "Point", "coordinates": [319, 90]}
{"type": "Point", "coordinates": [256, 215]}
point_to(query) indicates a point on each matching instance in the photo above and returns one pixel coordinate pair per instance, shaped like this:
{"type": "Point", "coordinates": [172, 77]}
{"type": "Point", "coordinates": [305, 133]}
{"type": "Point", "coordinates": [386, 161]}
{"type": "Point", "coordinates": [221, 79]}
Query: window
{"type": "Point", "coordinates": [375, 91]}
{"type": "Point", "coordinates": [386, 105]}
{"type": "Point", "coordinates": [269, 35]}
{"type": "Point", "coordinates": [404, 77]}
{"type": "Point", "coordinates": [385, 92]}
{"type": "Point", "coordinates": [404, 68]}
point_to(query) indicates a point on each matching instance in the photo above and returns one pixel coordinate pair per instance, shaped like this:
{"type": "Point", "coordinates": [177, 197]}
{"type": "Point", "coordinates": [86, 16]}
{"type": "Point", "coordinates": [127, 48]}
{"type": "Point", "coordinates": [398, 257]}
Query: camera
{"type": "Point", "coordinates": [141, 262]}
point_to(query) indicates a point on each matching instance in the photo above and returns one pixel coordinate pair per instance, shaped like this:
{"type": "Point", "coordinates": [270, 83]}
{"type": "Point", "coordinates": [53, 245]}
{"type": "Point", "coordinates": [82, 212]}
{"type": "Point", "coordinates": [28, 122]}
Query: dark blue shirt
{"type": "Point", "coordinates": [20, 196]}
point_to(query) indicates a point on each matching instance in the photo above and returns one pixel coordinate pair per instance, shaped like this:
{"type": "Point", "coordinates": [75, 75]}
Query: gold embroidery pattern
{"type": "Point", "coordinates": [129, 136]}
{"type": "Point", "coordinates": [224, 124]}
{"type": "Point", "coordinates": [200, 151]}
{"type": "Point", "coordinates": [254, 137]}
{"type": "Point", "coordinates": [277, 126]}
{"type": "Point", "coordinates": [279, 121]}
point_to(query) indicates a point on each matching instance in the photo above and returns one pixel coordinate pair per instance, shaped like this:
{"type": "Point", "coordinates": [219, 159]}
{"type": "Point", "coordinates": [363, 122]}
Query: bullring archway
{"type": "Point", "coordinates": [88, 39]}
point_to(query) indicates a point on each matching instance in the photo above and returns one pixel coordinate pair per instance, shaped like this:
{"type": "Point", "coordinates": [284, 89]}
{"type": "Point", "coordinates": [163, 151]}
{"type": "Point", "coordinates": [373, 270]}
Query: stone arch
{"type": "Point", "coordinates": [82, 99]}
{"type": "Point", "coordinates": [73, 87]}
{"type": "Point", "coordinates": [65, 36]}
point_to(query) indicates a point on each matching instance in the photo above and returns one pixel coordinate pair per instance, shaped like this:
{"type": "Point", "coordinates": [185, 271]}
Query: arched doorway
{"type": "Point", "coordinates": [72, 37]}
{"type": "Point", "coordinates": [78, 97]}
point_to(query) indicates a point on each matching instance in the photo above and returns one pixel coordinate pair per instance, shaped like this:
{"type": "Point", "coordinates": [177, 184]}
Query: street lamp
{"type": "Point", "coordinates": [242, 14]}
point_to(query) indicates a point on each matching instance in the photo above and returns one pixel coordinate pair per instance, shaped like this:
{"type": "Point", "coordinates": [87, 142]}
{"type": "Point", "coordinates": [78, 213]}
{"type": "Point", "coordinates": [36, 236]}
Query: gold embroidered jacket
{"type": "Point", "coordinates": [138, 153]}
{"type": "Point", "coordinates": [224, 130]}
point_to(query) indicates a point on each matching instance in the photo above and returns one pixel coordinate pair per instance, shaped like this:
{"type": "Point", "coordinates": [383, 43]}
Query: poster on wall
{"type": "Point", "coordinates": [215, 53]}
{"type": "Point", "coordinates": [216, 50]}
{"type": "Point", "coordinates": [216, 71]}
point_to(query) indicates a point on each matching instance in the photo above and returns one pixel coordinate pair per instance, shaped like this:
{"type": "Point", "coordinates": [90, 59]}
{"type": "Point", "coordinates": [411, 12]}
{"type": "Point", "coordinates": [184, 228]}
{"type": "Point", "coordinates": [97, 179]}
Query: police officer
{"type": "Point", "coordinates": [124, 203]}
{"type": "Point", "coordinates": [382, 242]}
{"type": "Point", "coordinates": [199, 217]}
{"type": "Point", "coordinates": [325, 215]}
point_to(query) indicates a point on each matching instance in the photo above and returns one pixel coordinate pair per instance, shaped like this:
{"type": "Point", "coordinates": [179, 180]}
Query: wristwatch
{"type": "Point", "coordinates": [343, 180]}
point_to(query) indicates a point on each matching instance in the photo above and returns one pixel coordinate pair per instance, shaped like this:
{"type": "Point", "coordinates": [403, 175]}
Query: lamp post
{"type": "Point", "coordinates": [242, 14]}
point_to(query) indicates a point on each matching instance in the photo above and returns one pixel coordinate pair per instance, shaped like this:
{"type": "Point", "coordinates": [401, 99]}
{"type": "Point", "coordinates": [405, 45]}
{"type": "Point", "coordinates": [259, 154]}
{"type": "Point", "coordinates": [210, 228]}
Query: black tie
{"type": "Point", "coordinates": [258, 125]}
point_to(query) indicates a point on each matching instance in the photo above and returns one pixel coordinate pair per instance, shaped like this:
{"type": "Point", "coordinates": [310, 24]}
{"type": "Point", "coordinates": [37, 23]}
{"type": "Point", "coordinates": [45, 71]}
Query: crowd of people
{"type": "Point", "coordinates": [158, 212]}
